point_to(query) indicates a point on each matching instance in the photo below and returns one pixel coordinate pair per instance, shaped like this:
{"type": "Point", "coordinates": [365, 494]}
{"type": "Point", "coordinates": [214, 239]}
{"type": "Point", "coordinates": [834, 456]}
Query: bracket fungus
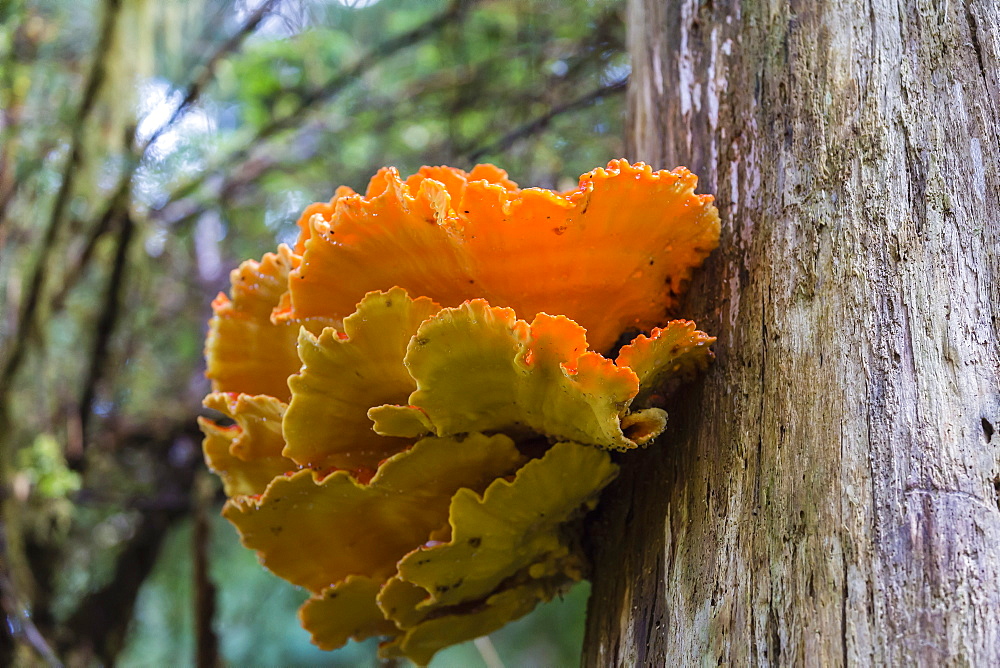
{"type": "Point", "coordinates": [419, 402]}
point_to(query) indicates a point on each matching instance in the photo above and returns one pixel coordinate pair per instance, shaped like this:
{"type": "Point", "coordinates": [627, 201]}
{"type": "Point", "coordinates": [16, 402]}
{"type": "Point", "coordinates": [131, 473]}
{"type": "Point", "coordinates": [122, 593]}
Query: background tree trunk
{"type": "Point", "coordinates": [829, 493]}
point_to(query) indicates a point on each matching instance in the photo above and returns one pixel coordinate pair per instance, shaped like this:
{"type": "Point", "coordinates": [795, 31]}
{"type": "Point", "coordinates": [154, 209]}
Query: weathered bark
{"type": "Point", "coordinates": [828, 493]}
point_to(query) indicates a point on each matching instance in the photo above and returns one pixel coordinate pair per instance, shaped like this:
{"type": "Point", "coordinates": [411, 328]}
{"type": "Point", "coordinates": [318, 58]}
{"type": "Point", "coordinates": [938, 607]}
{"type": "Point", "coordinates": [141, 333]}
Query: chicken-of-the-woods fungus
{"type": "Point", "coordinates": [419, 399]}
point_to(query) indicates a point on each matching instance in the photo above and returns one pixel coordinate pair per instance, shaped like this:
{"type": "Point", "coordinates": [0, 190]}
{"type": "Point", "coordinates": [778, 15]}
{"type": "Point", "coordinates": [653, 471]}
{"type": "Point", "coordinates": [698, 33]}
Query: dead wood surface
{"type": "Point", "coordinates": [829, 493]}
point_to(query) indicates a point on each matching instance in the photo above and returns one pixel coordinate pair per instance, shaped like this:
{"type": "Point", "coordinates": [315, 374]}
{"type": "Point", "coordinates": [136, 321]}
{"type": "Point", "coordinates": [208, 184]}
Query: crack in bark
{"type": "Point", "coordinates": [976, 45]}
{"type": "Point", "coordinates": [843, 604]}
{"type": "Point", "coordinates": [773, 635]}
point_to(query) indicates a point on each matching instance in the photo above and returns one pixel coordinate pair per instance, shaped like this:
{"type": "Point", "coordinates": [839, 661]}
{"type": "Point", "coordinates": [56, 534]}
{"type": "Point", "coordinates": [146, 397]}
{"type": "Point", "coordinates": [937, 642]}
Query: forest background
{"type": "Point", "coordinates": [146, 148]}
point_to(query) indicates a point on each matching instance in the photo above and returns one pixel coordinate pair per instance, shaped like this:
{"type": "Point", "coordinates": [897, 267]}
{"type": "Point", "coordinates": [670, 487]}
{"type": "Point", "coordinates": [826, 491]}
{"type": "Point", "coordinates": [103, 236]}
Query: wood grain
{"type": "Point", "coordinates": [829, 493]}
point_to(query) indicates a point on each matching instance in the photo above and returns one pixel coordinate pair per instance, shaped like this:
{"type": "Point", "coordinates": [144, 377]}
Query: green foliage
{"type": "Point", "coordinates": [44, 468]}
{"type": "Point", "coordinates": [120, 219]}
{"type": "Point", "coordinates": [257, 626]}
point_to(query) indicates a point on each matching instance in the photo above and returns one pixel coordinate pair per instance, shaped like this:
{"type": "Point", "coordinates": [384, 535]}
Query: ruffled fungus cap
{"type": "Point", "coordinates": [611, 255]}
{"type": "Point", "coordinates": [414, 406]}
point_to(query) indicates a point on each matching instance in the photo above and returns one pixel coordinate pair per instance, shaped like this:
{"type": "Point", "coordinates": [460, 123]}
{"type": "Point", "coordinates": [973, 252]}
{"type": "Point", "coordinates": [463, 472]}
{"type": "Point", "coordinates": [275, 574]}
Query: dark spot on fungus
{"type": "Point", "coordinates": [422, 341]}
{"type": "Point", "coordinates": [277, 530]}
{"type": "Point", "coordinates": [388, 303]}
{"type": "Point", "coordinates": [988, 430]}
{"type": "Point", "coordinates": [475, 542]}
{"type": "Point", "coordinates": [559, 230]}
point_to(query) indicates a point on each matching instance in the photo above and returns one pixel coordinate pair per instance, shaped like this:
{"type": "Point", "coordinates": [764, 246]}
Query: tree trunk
{"type": "Point", "coordinates": [829, 493]}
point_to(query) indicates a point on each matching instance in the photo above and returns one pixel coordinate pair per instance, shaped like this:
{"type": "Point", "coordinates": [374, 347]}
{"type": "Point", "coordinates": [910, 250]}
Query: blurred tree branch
{"type": "Point", "coordinates": [18, 580]}
{"type": "Point", "coordinates": [36, 283]}
{"type": "Point", "coordinates": [207, 71]}
{"type": "Point", "coordinates": [206, 641]}
{"type": "Point", "coordinates": [20, 626]}
{"type": "Point", "coordinates": [310, 99]}
{"type": "Point", "coordinates": [542, 122]}
{"type": "Point", "coordinates": [97, 626]}
{"type": "Point", "coordinates": [107, 320]}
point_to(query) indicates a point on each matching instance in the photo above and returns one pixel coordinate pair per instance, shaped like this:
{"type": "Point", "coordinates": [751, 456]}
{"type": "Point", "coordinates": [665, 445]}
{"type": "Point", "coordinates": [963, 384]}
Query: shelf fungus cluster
{"type": "Point", "coordinates": [418, 406]}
